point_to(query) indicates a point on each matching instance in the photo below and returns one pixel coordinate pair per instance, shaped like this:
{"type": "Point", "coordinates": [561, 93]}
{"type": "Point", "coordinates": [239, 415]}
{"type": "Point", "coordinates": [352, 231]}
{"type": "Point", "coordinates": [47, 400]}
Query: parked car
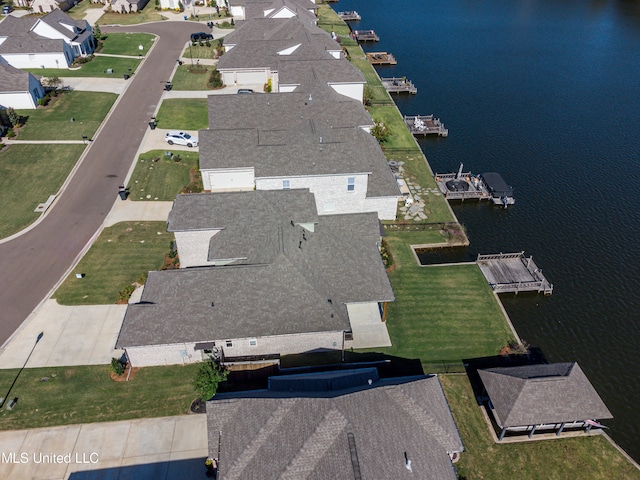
{"type": "Point", "coordinates": [245, 90]}
{"type": "Point", "coordinates": [181, 138]}
{"type": "Point", "coordinates": [195, 37]}
{"type": "Point", "coordinates": [7, 9]}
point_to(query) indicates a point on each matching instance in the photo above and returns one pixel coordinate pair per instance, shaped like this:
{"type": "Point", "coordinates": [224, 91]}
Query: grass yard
{"type": "Point", "coordinates": [183, 114]}
{"type": "Point", "coordinates": [441, 314]}
{"type": "Point", "coordinates": [201, 51]}
{"type": "Point", "coordinates": [126, 43]}
{"type": "Point", "coordinates": [86, 394]}
{"type": "Point", "coordinates": [77, 12]}
{"type": "Point", "coordinates": [329, 21]}
{"type": "Point", "coordinates": [120, 256]}
{"type": "Point", "coordinates": [146, 15]}
{"type": "Point", "coordinates": [28, 175]}
{"type": "Point", "coordinates": [95, 68]}
{"type": "Point", "coordinates": [158, 177]}
{"type": "Point", "coordinates": [53, 122]}
{"type": "Point", "coordinates": [183, 79]}
{"type": "Point", "coordinates": [586, 457]}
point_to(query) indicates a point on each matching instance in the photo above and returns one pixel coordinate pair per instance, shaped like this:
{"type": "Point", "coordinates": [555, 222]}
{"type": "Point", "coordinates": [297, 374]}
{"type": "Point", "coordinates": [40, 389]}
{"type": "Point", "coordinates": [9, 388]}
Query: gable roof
{"type": "Point", "coordinates": [545, 393]}
{"type": "Point", "coordinates": [73, 30]}
{"type": "Point", "coordinates": [13, 79]}
{"type": "Point", "coordinates": [281, 286]}
{"type": "Point", "coordinates": [363, 432]}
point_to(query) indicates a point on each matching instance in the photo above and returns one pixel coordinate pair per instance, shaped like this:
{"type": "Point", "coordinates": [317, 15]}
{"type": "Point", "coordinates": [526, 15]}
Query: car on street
{"type": "Point", "coordinates": [181, 138]}
{"type": "Point", "coordinates": [245, 90]}
{"type": "Point", "coordinates": [7, 9]}
{"type": "Point", "coordinates": [195, 37]}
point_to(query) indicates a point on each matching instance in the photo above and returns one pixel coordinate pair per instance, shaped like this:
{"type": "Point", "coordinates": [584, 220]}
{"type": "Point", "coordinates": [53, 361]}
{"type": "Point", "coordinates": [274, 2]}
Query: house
{"type": "Point", "coordinates": [278, 279]}
{"type": "Point", "coordinates": [51, 41]}
{"type": "Point", "coordinates": [545, 398]}
{"type": "Point", "coordinates": [339, 425]}
{"type": "Point", "coordinates": [249, 9]}
{"type": "Point", "coordinates": [127, 6]}
{"type": "Point", "coordinates": [19, 89]}
{"type": "Point", "coordinates": [305, 145]}
{"type": "Point", "coordinates": [43, 6]}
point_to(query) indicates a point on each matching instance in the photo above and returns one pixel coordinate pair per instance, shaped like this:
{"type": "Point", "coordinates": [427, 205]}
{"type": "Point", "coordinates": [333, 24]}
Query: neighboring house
{"type": "Point", "coordinates": [541, 399]}
{"type": "Point", "coordinates": [324, 426]}
{"type": "Point", "coordinates": [44, 6]}
{"type": "Point", "coordinates": [19, 89]}
{"type": "Point", "coordinates": [128, 6]}
{"type": "Point", "coordinates": [279, 280]}
{"type": "Point", "coordinates": [51, 41]}
{"type": "Point", "coordinates": [248, 9]}
{"type": "Point", "coordinates": [341, 163]}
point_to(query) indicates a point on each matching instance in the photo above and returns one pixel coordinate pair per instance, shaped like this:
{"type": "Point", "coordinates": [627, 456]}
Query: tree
{"type": "Point", "coordinates": [209, 375]}
{"type": "Point", "coordinates": [97, 34]}
{"type": "Point", "coordinates": [54, 83]}
{"type": "Point", "coordinates": [14, 117]}
{"type": "Point", "coordinates": [380, 131]}
{"type": "Point", "coordinates": [368, 95]}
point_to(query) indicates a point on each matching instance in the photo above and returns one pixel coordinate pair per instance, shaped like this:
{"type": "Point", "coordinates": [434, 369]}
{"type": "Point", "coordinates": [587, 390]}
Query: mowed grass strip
{"type": "Point", "coordinates": [97, 67]}
{"type": "Point", "coordinates": [442, 313]}
{"type": "Point", "coordinates": [127, 43]}
{"type": "Point", "coordinates": [28, 175]}
{"type": "Point", "coordinates": [147, 14]}
{"type": "Point", "coordinates": [183, 79]}
{"type": "Point", "coordinates": [183, 114]}
{"type": "Point", "coordinates": [120, 256]}
{"type": "Point", "coordinates": [583, 457]}
{"type": "Point", "coordinates": [53, 122]}
{"type": "Point", "coordinates": [159, 177]}
{"type": "Point", "coordinates": [86, 394]}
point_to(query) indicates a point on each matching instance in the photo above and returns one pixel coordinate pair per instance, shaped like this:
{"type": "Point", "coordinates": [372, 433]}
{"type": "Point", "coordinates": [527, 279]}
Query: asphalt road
{"type": "Point", "coordinates": [31, 264]}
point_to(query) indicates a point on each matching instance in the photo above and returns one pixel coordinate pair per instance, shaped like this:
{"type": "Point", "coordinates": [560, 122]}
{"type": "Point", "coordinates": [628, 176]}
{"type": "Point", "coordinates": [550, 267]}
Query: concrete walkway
{"type": "Point", "coordinates": [158, 448]}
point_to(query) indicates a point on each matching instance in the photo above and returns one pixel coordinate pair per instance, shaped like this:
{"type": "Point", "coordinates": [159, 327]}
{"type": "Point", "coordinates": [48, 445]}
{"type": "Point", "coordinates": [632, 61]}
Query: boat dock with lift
{"type": "Point", "coordinates": [513, 272]}
{"type": "Point", "coordinates": [365, 36]}
{"type": "Point", "coordinates": [381, 58]}
{"type": "Point", "coordinates": [351, 16]}
{"type": "Point", "coordinates": [465, 185]}
{"type": "Point", "coordinates": [425, 125]}
{"type": "Point", "coordinates": [399, 85]}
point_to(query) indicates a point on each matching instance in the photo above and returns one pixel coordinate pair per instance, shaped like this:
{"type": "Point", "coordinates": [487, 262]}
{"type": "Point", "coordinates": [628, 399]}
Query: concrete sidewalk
{"type": "Point", "coordinates": [158, 448]}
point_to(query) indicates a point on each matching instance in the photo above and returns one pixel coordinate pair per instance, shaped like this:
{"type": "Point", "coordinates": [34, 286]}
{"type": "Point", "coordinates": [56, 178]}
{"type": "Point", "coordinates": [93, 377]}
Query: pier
{"type": "Point", "coordinates": [425, 125]}
{"type": "Point", "coordinates": [365, 36]}
{"type": "Point", "coordinates": [381, 58]}
{"type": "Point", "coordinates": [465, 185]}
{"type": "Point", "coordinates": [513, 272]}
{"type": "Point", "coordinates": [351, 16]}
{"type": "Point", "coordinates": [399, 85]}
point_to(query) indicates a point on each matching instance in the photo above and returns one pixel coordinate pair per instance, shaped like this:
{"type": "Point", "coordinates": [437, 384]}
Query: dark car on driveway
{"type": "Point", "coordinates": [201, 36]}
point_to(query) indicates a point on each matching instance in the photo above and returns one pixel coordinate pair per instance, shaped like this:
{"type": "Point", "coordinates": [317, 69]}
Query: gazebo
{"type": "Point", "coordinates": [542, 398]}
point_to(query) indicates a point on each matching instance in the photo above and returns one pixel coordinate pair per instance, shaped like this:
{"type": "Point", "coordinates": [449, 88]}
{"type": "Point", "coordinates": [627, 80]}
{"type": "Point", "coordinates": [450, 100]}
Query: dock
{"type": "Point", "coordinates": [399, 85]}
{"type": "Point", "coordinates": [365, 36]}
{"type": "Point", "coordinates": [381, 58]}
{"type": "Point", "coordinates": [425, 125]}
{"type": "Point", "coordinates": [465, 185]}
{"type": "Point", "coordinates": [351, 16]}
{"type": "Point", "coordinates": [513, 272]}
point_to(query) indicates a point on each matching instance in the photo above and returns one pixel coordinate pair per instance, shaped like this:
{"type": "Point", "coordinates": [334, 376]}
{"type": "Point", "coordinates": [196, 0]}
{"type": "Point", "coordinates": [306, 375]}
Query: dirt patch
{"type": "Point", "coordinates": [123, 377]}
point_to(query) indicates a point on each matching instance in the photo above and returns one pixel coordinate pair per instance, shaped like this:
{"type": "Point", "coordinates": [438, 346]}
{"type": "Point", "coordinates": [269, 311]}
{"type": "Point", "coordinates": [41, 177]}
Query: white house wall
{"type": "Point", "coordinates": [22, 100]}
{"type": "Point", "coordinates": [193, 247]}
{"type": "Point", "coordinates": [39, 60]}
{"type": "Point", "coordinates": [183, 353]}
{"type": "Point", "coordinates": [387, 207]}
{"type": "Point", "coordinates": [351, 90]}
{"type": "Point", "coordinates": [228, 180]}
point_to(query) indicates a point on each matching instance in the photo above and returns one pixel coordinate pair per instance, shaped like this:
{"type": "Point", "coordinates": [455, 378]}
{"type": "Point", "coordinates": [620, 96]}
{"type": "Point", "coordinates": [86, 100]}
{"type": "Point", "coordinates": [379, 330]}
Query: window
{"type": "Point", "coordinates": [253, 342]}
{"type": "Point", "coordinates": [286, 184]}
{"type": "Point", "coordinates": [351, 184]}
{"type": "Point", "coordinates": [229, 343]}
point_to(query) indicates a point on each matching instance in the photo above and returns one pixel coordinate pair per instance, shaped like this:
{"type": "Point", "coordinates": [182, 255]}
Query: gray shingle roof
{"type": "Point", "coordinates": [546, 393]}
{"type": "Point", "coordinates": [328, 70]}
{"type": "Point", "coordinates": [286, 436]}
{"type": "Point", "coordinates": [13, 79]}
{"type": "Point", "coordinates": [60, 21]}
{"type": "Point", "coordinates": [338, 261]}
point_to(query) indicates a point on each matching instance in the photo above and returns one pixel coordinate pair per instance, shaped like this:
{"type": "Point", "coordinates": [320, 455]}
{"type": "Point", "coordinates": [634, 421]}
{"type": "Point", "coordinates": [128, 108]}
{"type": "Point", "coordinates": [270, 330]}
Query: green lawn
{"type": "Point", "coordinates": [146, 15]}
{"type": "Point", "coordinates": [183, 114]}
{"type": "Point", "coordinates": [88, 109]}
{"type": "Point", "coordinates": [127, 43]}
{"type": "Point", "coordinates": [198, 51]}
{"type": "Point", "coordinates": [586, 457]}
{"type": "Point", "coordinates": [329, 21]}
{"type": "Point", "coordinates": [97, 67]}
{"type": "Point", "coordinates": [158, 177]}
{"type": "Point", "coordinates": [86, 394]}
{"type": "Point", "coordinates": [441, 314]}
{"type": "Point", "coordinates": [119, 257]}
{"type": "Point", "coordinates": [183, 79]}
{"type": "Point", "coordinates": [28, 175]}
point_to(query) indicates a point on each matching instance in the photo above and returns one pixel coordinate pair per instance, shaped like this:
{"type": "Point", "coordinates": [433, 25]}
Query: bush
{"type": "Point", "coordinates": [117, 366]}
{"type": "Point", "coordinates": [11, 133]}
{"type": "Point", "coordinates": [207, 379]}
{"type": "Point", "coordinates": [215, 79]}
{"type": "Point", "coordinates": [380, 131]}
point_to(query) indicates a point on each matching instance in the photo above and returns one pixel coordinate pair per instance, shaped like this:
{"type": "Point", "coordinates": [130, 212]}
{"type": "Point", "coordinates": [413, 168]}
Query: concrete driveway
{"type": "Point", "coordinates": [158, 448]}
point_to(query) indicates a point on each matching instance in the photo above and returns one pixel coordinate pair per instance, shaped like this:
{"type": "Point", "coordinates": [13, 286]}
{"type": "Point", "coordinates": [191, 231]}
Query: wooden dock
{"type": "Point", "coordinates": [461, 186]}
{"type": "Point", "coordinates": [425, 125]}
{"type": "Point", "coordinates": [381, 58]}
{"type": "Point", "coordinates": [351, 16]}
{"type": "Point", "coordinates": [365, 36]}
{"type": "Point", "coordinates": [513, 272]}
{"type": "Point", "coordinates": [399, 85]}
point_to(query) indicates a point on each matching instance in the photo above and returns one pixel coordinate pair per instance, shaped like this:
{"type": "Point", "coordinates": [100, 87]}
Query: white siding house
{"type": "Point", "coordinates": [19, 89]}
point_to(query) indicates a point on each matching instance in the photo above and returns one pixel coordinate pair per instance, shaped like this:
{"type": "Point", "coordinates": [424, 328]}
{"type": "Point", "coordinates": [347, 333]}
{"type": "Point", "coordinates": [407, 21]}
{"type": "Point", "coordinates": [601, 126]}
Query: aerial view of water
{"type": "Point", "coordinates": [548, 94]}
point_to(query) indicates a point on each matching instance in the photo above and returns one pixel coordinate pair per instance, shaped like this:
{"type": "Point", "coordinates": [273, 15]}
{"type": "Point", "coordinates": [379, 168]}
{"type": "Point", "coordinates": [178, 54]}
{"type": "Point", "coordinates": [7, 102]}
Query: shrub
{"type": "Point", "coordinates": [14, 117]}
{"type": "Point", "coordinates": [207, 379]}
{"type": "Point", "coordinates": [125, 294]}
{"type": "Point", "coordinates": [215, 79]}
{"type": "Point", "coordinates": [117, 366]}
{"type": "Point", "coordinates": [380, 131]}
{"type": "Point", "coordinates": [11, 133]}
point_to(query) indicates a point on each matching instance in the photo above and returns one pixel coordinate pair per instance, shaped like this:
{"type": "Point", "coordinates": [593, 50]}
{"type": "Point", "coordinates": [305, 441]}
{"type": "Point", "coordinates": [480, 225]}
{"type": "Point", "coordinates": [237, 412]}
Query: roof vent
{"type": "Point", "coordinates": [310, 97]}
{"type": "Point", "coordinates": [407, 462]}
{"type": "Point", "coordinates": [329, 301]}
{"type": "Point", "coordinates": [213, 304]}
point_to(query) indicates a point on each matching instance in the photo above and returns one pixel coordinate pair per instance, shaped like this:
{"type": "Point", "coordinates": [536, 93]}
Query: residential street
{"type": "Point", "coordinates": [34, 262]}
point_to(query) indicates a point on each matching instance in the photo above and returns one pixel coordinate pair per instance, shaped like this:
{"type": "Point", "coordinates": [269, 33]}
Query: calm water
{"type": "Point", "coordinates": [548, 94]}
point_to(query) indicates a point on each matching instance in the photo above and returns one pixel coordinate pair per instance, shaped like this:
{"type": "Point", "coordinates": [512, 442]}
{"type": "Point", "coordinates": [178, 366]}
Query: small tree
{"type": "Point", "coordinates": [13, 117]}
{"type": "Point", "coordinates": [215, 79]}
{"type": "Point", "coordinates": [117, 366]}
{"type": "Point", "coordinates": [97, 34]}
{"type": "Point", "coordinates": [208, 377]}
{"type": "Point", "coordinates": [54, 83]}
{"type": "Point", "coordinates": [368, 95]}
{"type": "Point", "coordinates": [380, 131]}
{"type": "Point", "coordinates": [180, 6]}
